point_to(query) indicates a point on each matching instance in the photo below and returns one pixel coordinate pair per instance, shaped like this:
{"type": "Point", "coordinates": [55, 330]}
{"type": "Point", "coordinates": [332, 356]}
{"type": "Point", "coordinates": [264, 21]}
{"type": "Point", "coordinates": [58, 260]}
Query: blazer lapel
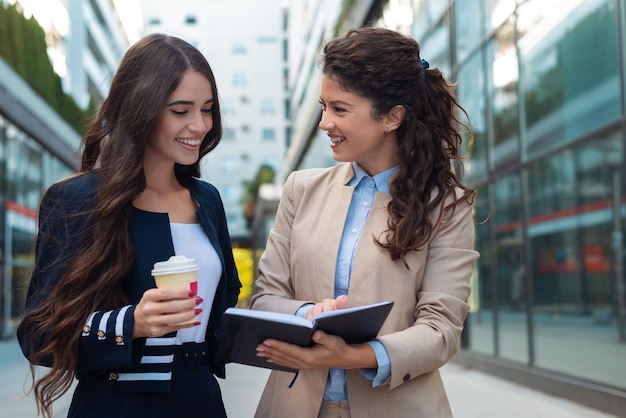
{"type": "Point", "coordinates": [331, 225]}
{"type": "Point", "coordinates": [330, 229]}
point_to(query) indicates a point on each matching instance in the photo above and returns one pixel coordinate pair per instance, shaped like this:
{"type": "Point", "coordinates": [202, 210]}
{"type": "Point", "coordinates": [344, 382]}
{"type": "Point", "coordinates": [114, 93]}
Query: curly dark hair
{"type": "Point", "coordinates": [384, 67]}
{"type": "Point", "coordinates": [113, 149]}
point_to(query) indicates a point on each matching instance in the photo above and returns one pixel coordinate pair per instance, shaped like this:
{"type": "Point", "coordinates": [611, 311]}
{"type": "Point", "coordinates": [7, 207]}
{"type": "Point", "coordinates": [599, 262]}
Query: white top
{"type": "Point", "coordinates": [191, 241]}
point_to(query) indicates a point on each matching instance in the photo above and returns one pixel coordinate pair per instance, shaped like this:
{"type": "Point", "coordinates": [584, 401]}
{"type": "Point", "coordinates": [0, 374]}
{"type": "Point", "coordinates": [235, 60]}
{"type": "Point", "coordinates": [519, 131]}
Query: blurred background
{"type": "Point", "coordinates": [543, 83]}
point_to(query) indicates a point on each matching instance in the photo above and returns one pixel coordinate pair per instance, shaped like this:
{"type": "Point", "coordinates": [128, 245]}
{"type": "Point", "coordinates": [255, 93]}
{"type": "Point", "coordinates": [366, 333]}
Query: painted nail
{"type": "Point", "coordinates": [191, 294]}
{"type": "Point", "coordinates": [196, 323]}
{"type": "Point", "coordinates": [199, 300]}
{"type": "Point", "coordinates": [198, 311]}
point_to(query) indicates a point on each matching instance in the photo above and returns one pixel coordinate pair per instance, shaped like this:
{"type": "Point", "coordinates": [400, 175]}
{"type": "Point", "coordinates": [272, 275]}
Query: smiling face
{"type": "Point", "coordinates": [183, 122]}
{"type": "Point", "coordinates": [355, 135]}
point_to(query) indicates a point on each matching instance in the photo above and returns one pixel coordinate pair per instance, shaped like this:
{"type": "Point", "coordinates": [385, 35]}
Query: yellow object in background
{"type": "Point", "coordinates": [245, 266]}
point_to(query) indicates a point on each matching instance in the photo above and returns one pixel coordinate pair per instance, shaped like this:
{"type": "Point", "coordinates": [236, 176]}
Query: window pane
{"type": "Point", "coordinates": [503, 85]}
{"type": "Point", "coordinates": [496, 12]}
{"type": "Point", "coordinates": [571, 74]}
{"type": "Point", "coordinates": [229, 164]}
{"type": "Point", "coordinates": [268, 134]}
{"type": "Point", "coordinates": [468, 24]}
{"type": "Point", "coordinates": [398, 16]}
{"type": "Point", "coordinates": [512, 318]}
{"type": "Point", "coordinates": [575, 302]}
{"type": "Point", "coordinates": [420, 19]}
{"type": "Point", "coordinates": [436, 9]}
{"type": "Point", "coordinates": [436, 49]}
{"type": "Point", "coordinates": [471, 95]}
{"type": "Point", "coordinates": [480, 320]}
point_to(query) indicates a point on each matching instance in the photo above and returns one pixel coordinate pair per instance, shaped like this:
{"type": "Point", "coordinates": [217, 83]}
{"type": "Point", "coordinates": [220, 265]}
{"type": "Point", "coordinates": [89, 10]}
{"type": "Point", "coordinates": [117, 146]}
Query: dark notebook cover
{"type": "Point", "coordinates": [244, 329]}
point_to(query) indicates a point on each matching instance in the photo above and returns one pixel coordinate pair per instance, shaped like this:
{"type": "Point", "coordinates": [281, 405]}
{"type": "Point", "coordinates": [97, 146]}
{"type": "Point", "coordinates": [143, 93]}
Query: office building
{"type": "Point", "coordinates": [85, 40]}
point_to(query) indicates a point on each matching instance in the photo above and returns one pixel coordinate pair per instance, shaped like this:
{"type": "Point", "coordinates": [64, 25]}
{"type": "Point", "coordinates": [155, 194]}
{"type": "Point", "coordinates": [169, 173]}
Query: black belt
{"type": "Point", "coordinates": [191, 355]}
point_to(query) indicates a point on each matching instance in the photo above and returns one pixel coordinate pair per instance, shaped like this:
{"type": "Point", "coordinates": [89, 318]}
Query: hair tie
{"type": "Point", "coordinates": [425, 65]}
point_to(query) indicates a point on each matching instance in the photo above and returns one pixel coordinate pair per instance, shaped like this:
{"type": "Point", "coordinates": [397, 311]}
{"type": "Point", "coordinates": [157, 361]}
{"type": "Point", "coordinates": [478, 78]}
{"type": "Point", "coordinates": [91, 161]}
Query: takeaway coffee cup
{"type": "Point", "coordinates": [177, 272]}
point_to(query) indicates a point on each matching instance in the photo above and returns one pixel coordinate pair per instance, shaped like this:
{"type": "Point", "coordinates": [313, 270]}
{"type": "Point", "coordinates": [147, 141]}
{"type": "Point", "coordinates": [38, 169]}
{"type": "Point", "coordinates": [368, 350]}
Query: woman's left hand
{"type": "Point", "coordinates": [328, 351]}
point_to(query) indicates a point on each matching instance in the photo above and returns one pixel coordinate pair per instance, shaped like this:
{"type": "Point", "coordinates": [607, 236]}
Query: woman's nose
{"type": "Point", "coordinates": [200, 123]}
{"type": "Point", "coordinates": [325, 122]}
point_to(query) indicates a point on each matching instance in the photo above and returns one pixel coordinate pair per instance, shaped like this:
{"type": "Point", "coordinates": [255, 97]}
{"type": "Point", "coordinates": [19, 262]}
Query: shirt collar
{"type": "Point", "coordinates": [381, 179]}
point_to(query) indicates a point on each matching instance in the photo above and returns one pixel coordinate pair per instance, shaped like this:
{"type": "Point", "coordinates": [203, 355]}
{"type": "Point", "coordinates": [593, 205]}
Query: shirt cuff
{"type": "Point", "coordinates": [380, 375]}
{"type": "Point", "coordinates": [302, 310]}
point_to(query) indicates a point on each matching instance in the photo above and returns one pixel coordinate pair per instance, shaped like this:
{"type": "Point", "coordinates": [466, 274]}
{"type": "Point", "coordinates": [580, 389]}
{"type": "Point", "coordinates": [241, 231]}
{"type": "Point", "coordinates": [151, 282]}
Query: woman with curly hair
{"type": "Point", "coordinates": [391, 222]}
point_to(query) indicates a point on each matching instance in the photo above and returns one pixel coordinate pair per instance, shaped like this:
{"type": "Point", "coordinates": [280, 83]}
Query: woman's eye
{"type": "Point", "coordinates": [209, 110]}
{"type": "Point", "coordinates": [179, 112]}
{"type": "Point", "coordinates": [322, 104]}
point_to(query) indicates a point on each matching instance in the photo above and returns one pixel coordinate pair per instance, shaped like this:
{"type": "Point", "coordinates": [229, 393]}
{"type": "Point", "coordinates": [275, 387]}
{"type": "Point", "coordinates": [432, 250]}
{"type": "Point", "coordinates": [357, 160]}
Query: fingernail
{"type": "Point", "coordinates": [199, 300]}
{"type": "Point", "coordinates": [192, 293]}
{"type": "Point", "coordinates": [196, 323]}
{"type": "Point", "coordinates": [198, 311]}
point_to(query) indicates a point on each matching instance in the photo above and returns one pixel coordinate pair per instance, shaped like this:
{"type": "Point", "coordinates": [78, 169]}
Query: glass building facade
{"type": "Point", "coordinates": [37, 148]}
{"type": "Point", "coordinates": [26, 170]}
{"type": "Point", "coordinates": [543, 83]}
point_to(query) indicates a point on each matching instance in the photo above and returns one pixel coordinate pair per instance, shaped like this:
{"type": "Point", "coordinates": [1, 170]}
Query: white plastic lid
{"type": "Point", "coordinates": [175, 264]}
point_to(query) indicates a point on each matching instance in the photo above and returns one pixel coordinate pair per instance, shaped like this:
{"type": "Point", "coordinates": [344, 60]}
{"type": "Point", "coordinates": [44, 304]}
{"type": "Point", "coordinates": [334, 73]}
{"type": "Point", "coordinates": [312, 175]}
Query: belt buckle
{"type": "Point", "coordinates": [190, 355]}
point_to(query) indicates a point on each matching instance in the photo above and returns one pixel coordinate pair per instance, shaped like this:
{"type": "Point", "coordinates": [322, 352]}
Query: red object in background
{"type": "Point", "coordinates": [594, 259]}
{"type": "Point", "coordinates": [561, 260]}
{"type": "Point", "coordinates": [22, 210]}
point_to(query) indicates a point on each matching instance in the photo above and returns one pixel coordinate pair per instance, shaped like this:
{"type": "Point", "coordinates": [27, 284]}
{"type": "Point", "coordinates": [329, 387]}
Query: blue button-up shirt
{"type": "Point", "coordinates": [362, 198]}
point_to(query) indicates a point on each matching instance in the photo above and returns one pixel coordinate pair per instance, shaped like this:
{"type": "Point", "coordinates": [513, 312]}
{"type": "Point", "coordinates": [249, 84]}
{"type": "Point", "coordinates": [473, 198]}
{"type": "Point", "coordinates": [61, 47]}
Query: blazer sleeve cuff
{"type": "Point", "coordinates": [107, 339]}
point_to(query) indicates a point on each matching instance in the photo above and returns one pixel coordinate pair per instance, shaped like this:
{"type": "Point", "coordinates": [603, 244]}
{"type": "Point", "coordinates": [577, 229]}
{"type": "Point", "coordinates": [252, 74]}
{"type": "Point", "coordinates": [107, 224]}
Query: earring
{"type": "Point", "coordinates": [386, 130]}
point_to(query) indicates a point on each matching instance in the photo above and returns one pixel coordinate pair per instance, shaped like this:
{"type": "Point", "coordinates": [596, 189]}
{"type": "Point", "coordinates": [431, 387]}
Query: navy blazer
{"type": "Point", "coordinates": [108, 357]}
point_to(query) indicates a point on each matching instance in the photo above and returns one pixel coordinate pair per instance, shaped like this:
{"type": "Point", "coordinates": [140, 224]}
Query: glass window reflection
{"type": "Point", "coordinates": [467, 27]}
{"type": "Point", "coordinates": [397, 16]}
{"type": "Point", "coordinates": [436, 9]}
{"type": "Point", "coordinates": [421, 23]}
{"type": "Point", "coordinates": [503, 70]}
{"type": "Point", "coordinates": [496, 12]}
{"type": "Point", "coordinates": [480, 321]}
{"type": "Point", "coordinates": [571, 77]}
{"type": "Point", "coordinates": [26, 170]}
{"type": "Point", "coordinates": [511, 270]}
{"type": "Point", "coordinates": [573, 262]}
{"type": "Point", "coordinates": [471, 95]}
{"type": "Point", "coordinates": [436, 49]}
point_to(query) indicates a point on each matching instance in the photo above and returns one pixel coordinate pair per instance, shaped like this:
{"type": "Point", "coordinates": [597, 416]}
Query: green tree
{"type": "Point", "coordinates": [23, 46]}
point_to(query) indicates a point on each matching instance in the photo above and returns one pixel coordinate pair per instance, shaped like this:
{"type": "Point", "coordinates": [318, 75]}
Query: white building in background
{"type": "Point", "coordinates": [86, 40]}
{"type": "Point", "coordinates": [99, 33]}
{"type": "Point", "coordinates": [312, 23]}
{"type": "Point", "coordinates": [244, 41]}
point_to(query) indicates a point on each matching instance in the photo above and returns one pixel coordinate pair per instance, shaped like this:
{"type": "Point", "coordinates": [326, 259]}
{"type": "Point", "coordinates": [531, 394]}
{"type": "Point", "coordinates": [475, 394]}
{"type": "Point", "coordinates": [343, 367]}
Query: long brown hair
{"type": "Point", "coordinates": [384, 67]}
{"type": "Point", "coordinates": [113, 149]}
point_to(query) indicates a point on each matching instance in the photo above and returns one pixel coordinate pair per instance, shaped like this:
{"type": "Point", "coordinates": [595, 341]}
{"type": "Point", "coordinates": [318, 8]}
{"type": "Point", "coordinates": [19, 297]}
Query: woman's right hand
{"type": "Point", "coordinates": [158, 309]}
{"type": "Point", "coordinates": [327, 305]}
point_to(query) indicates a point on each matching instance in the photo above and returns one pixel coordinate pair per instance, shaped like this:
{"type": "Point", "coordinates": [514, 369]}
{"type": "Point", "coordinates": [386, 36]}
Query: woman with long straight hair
{"type": "Point", "coordinates": [93, 312]}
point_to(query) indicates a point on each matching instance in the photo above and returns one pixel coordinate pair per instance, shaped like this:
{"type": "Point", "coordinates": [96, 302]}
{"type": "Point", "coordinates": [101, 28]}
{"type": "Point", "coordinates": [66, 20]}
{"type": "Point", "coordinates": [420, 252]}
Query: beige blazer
{"type": "Point", "coordinates": [422, 330]}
